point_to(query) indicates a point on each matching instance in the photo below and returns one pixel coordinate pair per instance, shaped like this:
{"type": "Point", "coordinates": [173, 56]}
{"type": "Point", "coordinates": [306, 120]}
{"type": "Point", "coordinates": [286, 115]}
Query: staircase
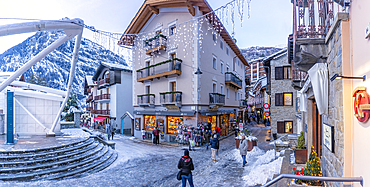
{"type": "Point", "coordinates": [77, 159]}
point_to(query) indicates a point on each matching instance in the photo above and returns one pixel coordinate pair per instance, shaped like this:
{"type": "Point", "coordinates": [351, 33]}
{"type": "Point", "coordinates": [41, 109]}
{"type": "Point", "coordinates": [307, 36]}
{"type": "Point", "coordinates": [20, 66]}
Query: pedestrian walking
{"type": "Point", "coordinates": [243, 149]}
{"type": "Point", "coordinates": [114, 129]}
{"type": "Point", "coordinates": [186, 166]}
{"type": "Point", "coordinates": [219, 131]}
{"type": "Point", "coordinates": [154, 136]}
{"type": "Point", "coordinates": [143, 133]}
{"type": "Point", "coordinates": [156, 133]}
{"type": "Point", "coordinates": [107, 127]}
{"type": "Point", "coordinates": [207, 137]}
{"type": "Point", "coordinates": [214, 147]}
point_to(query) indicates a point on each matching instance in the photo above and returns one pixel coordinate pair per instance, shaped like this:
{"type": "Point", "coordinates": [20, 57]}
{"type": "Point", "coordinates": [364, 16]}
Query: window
{"type": "Point", "coordinates": [227, 93]}
{"type": "Point", "coordinates": [214, 37]}
{"type": "Point", "coordinates": [284, 99]}
{"type": "Point", "coordinates": [227, 50]}
{"type": "Point", "coordinates": [214, 63]}
{"type": "Point", "coordinates": [222, 89]}
{"type": "Point", "coordinates": [236, 96]}
{"type": "Point", "coordinates": [173, 89]}
{"type": "Point", "coordinates": [172, 30]}
{"type": "Point", "coordinates": [285, 127]}
{"type": "Point", "coordinates": [222, 67]}
{"type": "Point", "coordinates": [234, 64]}
{"type": "Point", "coordinates": [214, 88]}
{"type": "Point", "coordinates": [148, 69]}
{"type": "Point", "coordinates": [227, 69]}
{"type": "Point", "coordinates": [282, 73]}
{"type": "Point", "coordinates": [221, 45]}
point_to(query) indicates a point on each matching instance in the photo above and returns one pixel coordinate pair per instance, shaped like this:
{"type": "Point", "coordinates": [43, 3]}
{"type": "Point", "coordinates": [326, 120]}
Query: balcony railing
{"type": "Point", "coordinates": [216, 99]}
{"type": "Point", "coordinates": [146, 100]}
{"type": "Point", "coordinates": [90, 98]}
{"type": "Point", "coordinates": [102, 97]}
{"type": "Point", "coordinates": [104, 82]}
{"type": "Point", "coordinates": [162, 69]}
{"type": "Point", "coordinates": [298, 75]}
{"type": "Point", "coordinates": [313, 18]}
{"type": "Point", "coordinates": [243, 103]}
{"type": "Point", "coordinates": [102, 112]}
{"type": "Point", "coordinates": [233, 80]}
{"type": "Point", "coordinates": [168, 98]}
{"type": "Point", "coordinates": [89, 108]}
{"type": "Point", "coordinates": [155, 44]}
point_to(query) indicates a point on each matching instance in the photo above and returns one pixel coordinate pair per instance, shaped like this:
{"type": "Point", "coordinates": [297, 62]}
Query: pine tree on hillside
{"type": "Point", "coordinates": [35, 79]}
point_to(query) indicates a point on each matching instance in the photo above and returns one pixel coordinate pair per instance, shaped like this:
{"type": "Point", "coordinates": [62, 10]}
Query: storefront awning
{"type": "Point", "coordinates": [100, 118]}
{"type": "Point", "coordinates": [319, 80]}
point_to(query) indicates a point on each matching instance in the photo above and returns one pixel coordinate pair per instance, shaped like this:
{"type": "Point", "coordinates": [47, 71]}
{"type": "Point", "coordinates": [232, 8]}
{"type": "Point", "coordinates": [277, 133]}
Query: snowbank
{"type": "Point", "coordinates": [260, 174]}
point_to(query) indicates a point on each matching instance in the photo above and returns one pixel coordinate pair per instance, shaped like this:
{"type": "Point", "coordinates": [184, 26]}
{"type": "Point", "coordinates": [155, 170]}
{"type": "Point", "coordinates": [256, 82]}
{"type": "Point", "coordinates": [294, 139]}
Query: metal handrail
{"type": "Point", "coordinates": [331, 179]}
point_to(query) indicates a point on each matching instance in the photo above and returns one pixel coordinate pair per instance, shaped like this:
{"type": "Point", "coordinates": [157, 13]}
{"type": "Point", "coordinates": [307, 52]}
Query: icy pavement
{"type": "Point", "coordinates": [139, 164]}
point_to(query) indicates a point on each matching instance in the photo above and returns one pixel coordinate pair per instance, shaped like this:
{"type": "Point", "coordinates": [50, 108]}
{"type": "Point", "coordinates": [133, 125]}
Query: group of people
{"type": "Point", "coordinates": [186, 165]}
{"type": "Point", "coordinates": [110, 131]}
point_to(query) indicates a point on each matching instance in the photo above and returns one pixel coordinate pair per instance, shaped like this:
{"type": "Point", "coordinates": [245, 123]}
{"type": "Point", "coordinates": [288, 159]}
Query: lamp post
{"type": "Point", "coordinates": [198, 73]}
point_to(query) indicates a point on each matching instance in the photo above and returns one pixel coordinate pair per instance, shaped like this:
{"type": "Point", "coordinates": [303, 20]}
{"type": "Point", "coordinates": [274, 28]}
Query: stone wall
{"type": "Point", "coordinates": [281, 113]}
{"type": "Point", "coordinates": [332, 163]}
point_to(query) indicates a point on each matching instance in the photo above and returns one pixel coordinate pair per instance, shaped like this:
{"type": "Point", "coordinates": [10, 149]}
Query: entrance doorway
{"type": "Point", "coordinates": [316, 130]}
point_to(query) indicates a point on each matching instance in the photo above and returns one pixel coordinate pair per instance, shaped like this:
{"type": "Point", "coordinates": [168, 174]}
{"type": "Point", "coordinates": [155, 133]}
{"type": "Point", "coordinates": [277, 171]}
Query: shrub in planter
{"type": "Point", "coordinates": [301, 151]}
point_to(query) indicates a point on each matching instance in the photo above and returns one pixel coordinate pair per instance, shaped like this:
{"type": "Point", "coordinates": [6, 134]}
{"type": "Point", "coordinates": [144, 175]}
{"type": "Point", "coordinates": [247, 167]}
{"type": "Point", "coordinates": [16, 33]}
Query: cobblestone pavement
{"type": "Point", "coordinates": [143, 164]}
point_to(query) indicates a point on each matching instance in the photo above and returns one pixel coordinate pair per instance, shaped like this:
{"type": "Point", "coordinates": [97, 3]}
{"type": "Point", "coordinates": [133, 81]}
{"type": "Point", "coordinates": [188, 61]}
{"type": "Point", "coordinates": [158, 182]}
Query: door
{"type": "Point", "coordinates": [173, 89]}
{"type": "Point", "coordinates": [147, 92]}
{"type": "Point", "coordinates": [316, 130]}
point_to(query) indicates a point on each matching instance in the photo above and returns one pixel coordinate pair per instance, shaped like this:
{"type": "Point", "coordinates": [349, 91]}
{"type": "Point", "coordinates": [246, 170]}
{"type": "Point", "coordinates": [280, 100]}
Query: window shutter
{"type": "Point", "coordinates": [280, 127]}
{"type": "Point", "coordinates": [279, 99]}
{"type": "Point", "coordinates": [279, 73]}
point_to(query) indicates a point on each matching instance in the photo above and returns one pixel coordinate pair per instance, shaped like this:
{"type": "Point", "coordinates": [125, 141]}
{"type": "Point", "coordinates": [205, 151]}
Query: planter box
{"type": "Point", "coordinates": [251, 144]}
{"type": "Point", "coordinates": [237, 143]}
{"type": "Point", "coordinates": [300, 156]}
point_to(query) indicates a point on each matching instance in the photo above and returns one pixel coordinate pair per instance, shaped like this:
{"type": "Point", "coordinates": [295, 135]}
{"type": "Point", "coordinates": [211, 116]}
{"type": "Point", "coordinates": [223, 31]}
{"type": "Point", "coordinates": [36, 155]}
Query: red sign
{"type": "Point", "coordinates": [267, 114]}
{"type": "Point", "coordinates": [266, 106]}
{"type": "Point", "coordinates": [361, 104]}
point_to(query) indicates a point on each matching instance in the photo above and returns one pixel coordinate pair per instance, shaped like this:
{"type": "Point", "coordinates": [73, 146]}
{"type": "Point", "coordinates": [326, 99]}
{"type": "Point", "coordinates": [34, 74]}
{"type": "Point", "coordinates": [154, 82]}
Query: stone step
{"type": "Point", "coordinates": [7, 166]}
{"type": "Point", "coordinates": [47, 149]}
{"type": "Point", "coordinates": [37, 175]}
{"type": "Point", "coordinates": [32, 156]}
{"type": "Point", "coordinates": [95, 166]}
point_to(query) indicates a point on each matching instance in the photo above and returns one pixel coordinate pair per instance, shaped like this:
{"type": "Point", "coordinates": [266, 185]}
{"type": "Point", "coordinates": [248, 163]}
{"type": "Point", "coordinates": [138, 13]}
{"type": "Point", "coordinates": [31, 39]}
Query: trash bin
{"type": "Point", "coordinates": [237, 143]}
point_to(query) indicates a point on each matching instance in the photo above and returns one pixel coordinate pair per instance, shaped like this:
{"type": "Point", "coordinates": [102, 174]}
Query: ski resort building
{"type": "Point", "coordinates": [109, 99]}
{"type": "Point", "coordinates": [188, 71]}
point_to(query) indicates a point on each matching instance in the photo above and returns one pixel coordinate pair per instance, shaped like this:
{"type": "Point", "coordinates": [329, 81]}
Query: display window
{"type": "Point", "coordinates": [149, 123]}
{"type": "Point", "coordinates": [173, 124]}
{"type": "Point", "coordinates": [213, 121]}
{"type": "Point", "coordinates": [225, 127]}
{"type": "Point", "coordinates": [160, 123]}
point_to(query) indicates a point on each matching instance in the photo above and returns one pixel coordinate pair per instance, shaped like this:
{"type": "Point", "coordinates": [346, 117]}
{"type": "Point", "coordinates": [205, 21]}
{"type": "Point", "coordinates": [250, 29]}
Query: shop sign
{"type": "Point", "coordinates": [329, 137]}
{"type": "Point", "coordinates": [361, 104]}
{"type": "Point", "coordinates": [172, 107]}
{"type": "Point", "coordinates": [214, 108]}
{"type": "Point", "coordinates": [241, 126]}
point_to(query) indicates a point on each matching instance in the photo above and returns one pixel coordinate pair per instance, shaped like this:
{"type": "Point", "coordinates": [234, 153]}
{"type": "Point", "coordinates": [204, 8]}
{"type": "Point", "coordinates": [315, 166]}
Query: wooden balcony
{"type": "Point", "coordinates": [162, 69]}
{"type": "Point", "coordinates": [89, 108]}
{"type": "Point", "coordinates": [171, 98]}
{"type": "Point", "coordinates": [232, 80]}
{"type": "Point", "coordinates": [102, 112]}
{"type": "Point", "coordinates": [155, 44]}
{"type": "Point", "coordinates": [103, 82]}
{"type": "Point", "coordinates": [146, 100]}
{"type": "Point", "coordinates": [103, 97]}
{"type": "Point", "coordinates": [243, 103]}
{"type": "Point", "coordinates": [90, 98]}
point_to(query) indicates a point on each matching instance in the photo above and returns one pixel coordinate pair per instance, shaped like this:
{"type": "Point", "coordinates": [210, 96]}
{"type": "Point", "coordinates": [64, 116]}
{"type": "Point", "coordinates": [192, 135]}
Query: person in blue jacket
{"type": "Point", "coordinates": [214, 147]}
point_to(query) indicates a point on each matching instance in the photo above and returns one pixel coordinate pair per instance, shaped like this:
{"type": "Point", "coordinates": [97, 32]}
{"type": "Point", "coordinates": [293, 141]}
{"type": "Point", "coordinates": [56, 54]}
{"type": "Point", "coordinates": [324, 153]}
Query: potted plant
{"type": "Point", "coordinates": [301, 151]}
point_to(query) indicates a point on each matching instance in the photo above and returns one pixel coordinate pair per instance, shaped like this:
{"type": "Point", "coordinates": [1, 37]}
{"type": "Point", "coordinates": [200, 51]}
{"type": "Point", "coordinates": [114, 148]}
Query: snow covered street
{"type": "Point", "coordinates": [140, 164]}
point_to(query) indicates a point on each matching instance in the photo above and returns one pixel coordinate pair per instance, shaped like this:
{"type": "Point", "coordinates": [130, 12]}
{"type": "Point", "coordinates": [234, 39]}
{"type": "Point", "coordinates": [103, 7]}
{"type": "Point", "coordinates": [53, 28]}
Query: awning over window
{"type": "Point", "coordinates": [319, 81]}
{"type": "Point", "coordinates": [100, 118]}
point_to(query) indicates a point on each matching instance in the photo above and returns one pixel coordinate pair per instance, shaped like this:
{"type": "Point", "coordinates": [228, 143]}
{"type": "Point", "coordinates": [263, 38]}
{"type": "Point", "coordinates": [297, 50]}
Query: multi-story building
{"type": "Point", "coordinates": [171, 41]}
{"type": "Point", "coordinates": [283, 107]}
{"type": "Point", "coordinates": [332, 44]}
{"type": "Point", "coordinates": [256, 89]}
{"type": "Point", "coordinates": [110, 96]}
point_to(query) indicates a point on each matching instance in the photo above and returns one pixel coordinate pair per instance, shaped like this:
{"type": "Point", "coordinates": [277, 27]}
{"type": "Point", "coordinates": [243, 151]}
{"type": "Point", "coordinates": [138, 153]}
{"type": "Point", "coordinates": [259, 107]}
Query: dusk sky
{"type": "Point", "coordinates": [270, 21]}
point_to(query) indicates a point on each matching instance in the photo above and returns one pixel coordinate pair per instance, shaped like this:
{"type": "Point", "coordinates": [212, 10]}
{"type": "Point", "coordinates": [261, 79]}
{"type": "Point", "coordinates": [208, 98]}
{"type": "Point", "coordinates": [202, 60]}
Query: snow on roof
{"type": "Point", "coordinates": [115, 66]}
{"type": "Point", "coordinates": [90, 81]}
{"type": "Point", "coordinates": [6, 75]}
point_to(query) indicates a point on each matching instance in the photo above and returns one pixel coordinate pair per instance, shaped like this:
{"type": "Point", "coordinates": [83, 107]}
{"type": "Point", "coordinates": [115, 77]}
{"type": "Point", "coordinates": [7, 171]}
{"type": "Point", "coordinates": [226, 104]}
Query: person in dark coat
{"type": "Point", "coordinates": [186, 166]}
{"type": "Point", "coordinates": [156, 134]}
{"type": "Point", "coordinates": [207, 137]}
{"type": "Point", "coordinates": [214, 147]}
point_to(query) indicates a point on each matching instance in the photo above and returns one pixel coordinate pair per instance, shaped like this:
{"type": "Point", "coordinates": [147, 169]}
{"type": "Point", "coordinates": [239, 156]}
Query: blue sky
{"type": "Point", "coordinates": [270, 22]}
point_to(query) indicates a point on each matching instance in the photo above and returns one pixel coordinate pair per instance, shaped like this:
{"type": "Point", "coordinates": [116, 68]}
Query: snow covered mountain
{"type": "Point", "coordinates": [256, 52]}
{"type": "Point", "coordinates": [55, 66]}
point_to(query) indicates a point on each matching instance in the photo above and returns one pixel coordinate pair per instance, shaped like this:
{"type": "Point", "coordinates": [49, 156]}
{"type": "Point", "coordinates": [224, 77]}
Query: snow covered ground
{"type": "Point", "coordinates": [141, 164]}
